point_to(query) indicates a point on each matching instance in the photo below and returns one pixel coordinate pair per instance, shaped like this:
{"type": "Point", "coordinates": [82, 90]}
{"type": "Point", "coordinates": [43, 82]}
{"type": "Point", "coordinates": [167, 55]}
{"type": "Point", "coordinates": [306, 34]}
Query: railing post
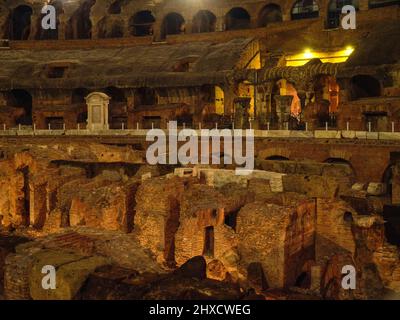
{"type": "Point", "coordinates": [137, 125]}
{"type": "Point", "coordinates": [347, 126]}
{"type": "Point", "coordinates": [79, 127]}
{"type": "Point", "coordinates": [19, 127]}
{"type": "Point", "coordinates": [369, 126]}
{"type": "Point", "coordinates": [267, 126]}
{"type": "Point", "coordinates": [64, 126]}
{"type": "Point", "coordinates": [4, 126]}
{"type": "Point", "coordinates": [326, 126]}
{"type": "Point", "coordinates": [392, 126]}
{"type": "Point", "coordinates": [306, 126]}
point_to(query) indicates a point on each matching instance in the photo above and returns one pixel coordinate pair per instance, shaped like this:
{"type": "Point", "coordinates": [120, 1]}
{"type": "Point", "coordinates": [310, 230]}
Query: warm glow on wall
{"type": "Point", "coordinates": [302, 58]}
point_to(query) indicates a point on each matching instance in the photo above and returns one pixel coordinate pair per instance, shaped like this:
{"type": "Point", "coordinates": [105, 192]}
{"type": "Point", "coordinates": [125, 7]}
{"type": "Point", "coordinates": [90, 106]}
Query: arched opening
{"type": "Point", "coordinates": [343, 162]}
{"type": "Point", "coordinates": [141, 23]}
{"type": "Point", "coordinates": [50, 34]}
{"type": "Point", "coordinates": [237, 18]}
{"type": "Point", "coordinates": [204, 21]}
{"type": "Point", "coordinates": [231, 217]}
{"type": "Point", "coordinates": [277, 158]}
{"type": "Point", "coordinates": [326, 100]}
{"type": "Point", "coordinates": [23, 99]}
{"type": "Point", "coordinates": [305, 9]}
{"type": "Point", "coordinates": [287, 106]}
{"type": "Point", "coordinates": [115, 7]}
{"type": "Point", "coordinates": [372, 4]}
{"type": "Point", "coordinates": [348, 217]}
{"type": "Point", "coordinates": [337, 160]}
{"type": "Point", "coordinates": [219, 101]}
{"type": "Point", "coordinates": [269, 14]}
{"type": "Point", "coordinates": [173, 23]}
{"type": "Point", "coordinates": [209, 242]}
{"type": "Point", "coordinates": [335, 11]}
{"type": "Point", "coordinates": [21, 22]}
{"type": "Point", "coordinates": [79, 25]}
{"type": "Point", "coordinates": [118, 115]}
{"type": "Point", "coordinates": [364, 86]}
{"type": "Point", "coordinates": [78, 95]}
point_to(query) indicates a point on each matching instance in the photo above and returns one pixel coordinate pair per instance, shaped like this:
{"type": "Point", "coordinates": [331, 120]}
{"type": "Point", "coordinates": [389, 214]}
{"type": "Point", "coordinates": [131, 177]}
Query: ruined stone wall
{"type": "Point", "coordinates": [280, 237]}
{"type": "Point", "coordinates": [333, 228]}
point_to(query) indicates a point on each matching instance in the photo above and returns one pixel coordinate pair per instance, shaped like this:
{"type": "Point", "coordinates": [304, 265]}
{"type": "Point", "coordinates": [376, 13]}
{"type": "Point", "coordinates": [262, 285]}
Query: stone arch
{"type": "Point", "coordinates": [274, 152]}
{"type": "Point", "coordinates": [141, 23]}
{"type": "Point", "coordinates": [364, 86]}
{"type": "Point", "coordinates": [342, 161]}
{"type": "Point", "coordinates": [173, 23]}
{"type": "Point", "coordinates": [237, 18]}
{"type": "Point", "coordinates": [335, 11]}
{"type": "Point", "coordinates": [269, 14]}
{"type": "Point", "coordinates": [21, 20]}
{"type": "Point", "coordinates": [305, 9]}
{"type": "Point", "coordinates": [204, 21]}
{"type": "Point", "coordinates": [79, 26]}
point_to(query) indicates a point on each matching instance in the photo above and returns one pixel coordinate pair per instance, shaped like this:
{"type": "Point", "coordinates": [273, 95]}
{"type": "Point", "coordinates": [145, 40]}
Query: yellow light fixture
{"type": "Point", "coordinates": [302, 58]}
{"type": "Point", "coordinates": [308, 54]}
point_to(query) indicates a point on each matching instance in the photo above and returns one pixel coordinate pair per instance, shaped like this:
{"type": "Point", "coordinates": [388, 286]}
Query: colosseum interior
{"type": "Point", "coordinates": [78, 193]}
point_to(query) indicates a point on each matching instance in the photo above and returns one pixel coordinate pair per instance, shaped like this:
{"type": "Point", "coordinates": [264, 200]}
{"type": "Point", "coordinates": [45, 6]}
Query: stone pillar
{"type": "Point", "coordinates": [220, 24]}
{"type": "Point", "coordinates": [62, 26]}
{"type": "Point", "coordinates": [242, 107]}
{"type": "Point", "coordinates": [283, 104]}
{"type": "Point", "coordinates": [315, 279]}
{"type": "Point", "coordinates": [97, 104]}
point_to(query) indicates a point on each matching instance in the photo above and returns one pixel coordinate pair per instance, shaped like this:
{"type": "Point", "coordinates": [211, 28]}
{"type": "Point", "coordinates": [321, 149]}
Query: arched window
{"type": "Point", "coordinates": [79, 25]}
{"type": "Point", "coordinates": [364, 86]}
{"type": "Point", "coordinates": [21, 22]}
{"type": "Point", "coordinates": [115, 7]}
{"type": "Point", "coordinates": [269, 14]}
{"type": "Point", "coordinates": [335, 11]}
{"type": "Point", "coordinates": [305, 9]}
{"type": "Point", "coordinates": [237, 18]}
{"type": "Point", "coordinates": [141, 24]}
{"type": "Point", "coordinates": [204, 21]}
{"type": "Point", "coordinates": [382, 3]}
{"type": "Point", "coordinates": [173, 24]}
